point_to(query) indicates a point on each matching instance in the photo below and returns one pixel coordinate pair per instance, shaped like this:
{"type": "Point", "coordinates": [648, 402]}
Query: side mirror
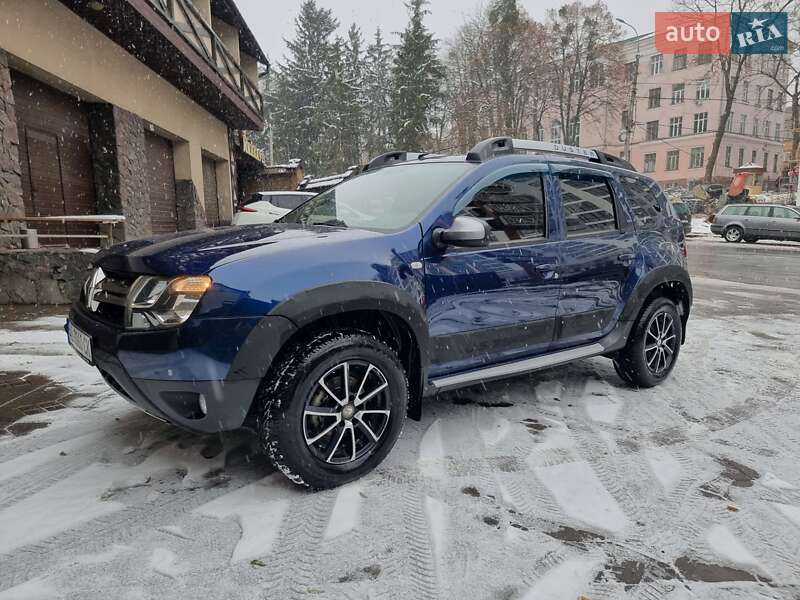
{"type": "Point", "coordinates": [467, 232]}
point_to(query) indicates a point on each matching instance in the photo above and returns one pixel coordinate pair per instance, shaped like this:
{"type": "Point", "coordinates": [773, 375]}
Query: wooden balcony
{"type": "Point", "coordinates": [174, 40]}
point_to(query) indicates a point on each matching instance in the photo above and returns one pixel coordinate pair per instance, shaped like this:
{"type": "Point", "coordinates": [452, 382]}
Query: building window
{"type": "Point", "coordinates": [697, 157]}
{"type": "Point", "coordinates": [675, 126]}
{"type": "Point", "coordinates": [759, 89]}
{"type": "Point", "coordinates": [650, 162]}
{"type": "Point", "coordinates": [673, 160]}
{"type": "Point", "coordinates": [555, 132]}
{"type": "Point", "coordinates": [679, 60]}
{"type": "Point", "coordinates": [745, 90]}
{"type": "Point", "coordinates": [729, 122]}
{"type": "Point", "coordinates": [766, 160]}
{"type": "Point", "coordinates": [766, 130]}
{"type": "Point", "coordinates": [700, 122]}
{"type": "Point", "coordinates": [654, 98]}
{"type": "Point", "coordinates": [656, 64]}
{"type": "Point", "coordinates": [778, 132]}
{"type": "Point", "coordinates": [728, 151]}
{"type": "Point", "coordinates": [630, 70]}
{"type": "Point", "coordinates": [702, 90]}
{"type": "Point", "coordinates": [624, 119]}
{"type": "Point", "coordinates": [775, 164]}
{"type": "Point", "coordinates": [678, 90]}
{"type": "Point", "coordinates": [770, 98]}
{"type": "Point", "coordinates": [575, 131]}
{"type": "Point", "coordinates": [753, 157]}
{"type": "Point", "coordinates": [755, 127]}
{"type": "Point", "coordinates": [743, 124]}
{"type": "Point", "coordinates": [741, 157]}
{"type": "Point", "coordinates": [704, 59]}
{"type": "Point", "coordinates": [652, 131]}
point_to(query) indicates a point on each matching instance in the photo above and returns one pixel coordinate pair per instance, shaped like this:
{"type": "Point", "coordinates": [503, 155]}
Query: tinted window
{"type": "Point", "coordinates": [734, 210]}
{"type": "Point", "coordinates": [588, 203]}
{"type": "Point", "coordinates": [681, 209]}
{"type": "Point", "coordinates": [784, 213]}
{"type": "Point", "coordinates": [642, 200]}
{"type": "Point", "coordinates": [757, 211]}
{"type": "Point", "coordinates": [513, 207]}
{"type": "Point", "coordinates": [384, 200]}
{"type": "Point", "coordinates": [288, 201]}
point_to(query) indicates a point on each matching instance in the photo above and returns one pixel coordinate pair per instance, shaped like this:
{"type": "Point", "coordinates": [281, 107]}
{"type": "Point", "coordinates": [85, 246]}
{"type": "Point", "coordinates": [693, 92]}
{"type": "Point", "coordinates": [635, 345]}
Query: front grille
{"type": "Point", "coordinates": [111, 294]}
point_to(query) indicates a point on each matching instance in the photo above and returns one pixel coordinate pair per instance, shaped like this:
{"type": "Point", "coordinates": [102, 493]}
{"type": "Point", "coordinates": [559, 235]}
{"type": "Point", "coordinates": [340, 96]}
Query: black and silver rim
{"type": "Point", "coordinates": [347, 413]}
{"type": "Point", "coordinates": [733, 234]}
{"type": "Point", "coordinates": [660, 343]}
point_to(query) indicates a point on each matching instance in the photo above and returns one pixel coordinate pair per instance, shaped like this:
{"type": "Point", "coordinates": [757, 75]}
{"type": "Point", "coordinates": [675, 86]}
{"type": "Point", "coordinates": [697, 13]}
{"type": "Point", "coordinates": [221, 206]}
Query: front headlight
{"type": "Point", "coordinates": [161, 302]}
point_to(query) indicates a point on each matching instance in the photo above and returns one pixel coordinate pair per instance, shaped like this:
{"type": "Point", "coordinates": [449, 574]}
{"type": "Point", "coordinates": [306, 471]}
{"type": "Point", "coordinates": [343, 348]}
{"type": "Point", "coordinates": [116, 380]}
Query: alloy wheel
{"type": "Point", "coordinates": [734, 234]}
{"type": "Point", "coordinates": [346, 413]}
{"type": "Point", "coordinates": [660, 343]}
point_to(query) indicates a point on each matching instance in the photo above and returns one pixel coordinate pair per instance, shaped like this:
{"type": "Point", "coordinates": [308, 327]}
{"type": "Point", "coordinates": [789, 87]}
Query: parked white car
{"type": "Point", "coordinates": [267, 207]}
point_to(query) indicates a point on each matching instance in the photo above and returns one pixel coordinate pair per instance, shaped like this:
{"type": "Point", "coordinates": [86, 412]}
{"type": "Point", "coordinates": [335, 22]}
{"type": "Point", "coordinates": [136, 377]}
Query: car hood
{"type": "Point", "coordinates": [198, 252]}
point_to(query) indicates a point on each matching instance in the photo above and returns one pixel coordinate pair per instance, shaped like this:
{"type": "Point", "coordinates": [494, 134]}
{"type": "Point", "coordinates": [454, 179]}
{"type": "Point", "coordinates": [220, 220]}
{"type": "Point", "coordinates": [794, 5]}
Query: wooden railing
{"type": "Point", "coordinates": [191, 26]}
{"type": "Point", "coordinates": [30, 236]}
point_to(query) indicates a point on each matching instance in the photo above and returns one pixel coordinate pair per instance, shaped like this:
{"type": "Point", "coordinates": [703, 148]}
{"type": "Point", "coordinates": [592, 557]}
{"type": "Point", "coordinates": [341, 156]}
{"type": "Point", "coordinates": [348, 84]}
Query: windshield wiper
{"type": "Point", "coordinates": [333, 223]}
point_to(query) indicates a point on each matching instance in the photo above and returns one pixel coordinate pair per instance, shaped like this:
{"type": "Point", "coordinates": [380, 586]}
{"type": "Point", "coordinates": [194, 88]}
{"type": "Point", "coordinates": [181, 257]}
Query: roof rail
{"type": "Point", "coordinates": [498, 146]}
{"type": "Point", "coordinates": [390, 158]}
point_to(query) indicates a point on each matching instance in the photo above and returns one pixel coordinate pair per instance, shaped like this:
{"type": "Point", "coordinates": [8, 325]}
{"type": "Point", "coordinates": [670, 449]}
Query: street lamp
{"type": "Point", "coordinates": [632, 104]}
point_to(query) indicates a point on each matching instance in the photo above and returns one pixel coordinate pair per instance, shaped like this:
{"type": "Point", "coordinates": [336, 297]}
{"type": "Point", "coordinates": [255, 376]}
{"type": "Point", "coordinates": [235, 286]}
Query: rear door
{"type": "Point", "coordinates": [785, 222]}
{"type": "Point", "coordinates": [757, 222]}
{"type": "Point", "coordinates": [497, 303]}
{"type": "Point", "coordinates": [597, 256]}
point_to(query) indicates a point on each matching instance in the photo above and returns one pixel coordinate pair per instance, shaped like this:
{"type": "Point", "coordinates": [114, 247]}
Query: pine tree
{"type": "Point", "coordinates": [352, 105]}
{"type": "Point", "coordinates": [377, 96]}
{"type": "Point", "coordinates": [299, 102]}
{"type": "Point", "coordinates": [417, 77]}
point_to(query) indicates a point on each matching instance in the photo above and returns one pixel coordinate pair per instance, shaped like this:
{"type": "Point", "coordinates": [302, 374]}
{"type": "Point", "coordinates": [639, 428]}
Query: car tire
{"type": "Point", "coordinates": [652, 350]}
{"type": "Point", "coordinates": [332, 408]}
{"type": "Point", "coordinates": [733, 234]}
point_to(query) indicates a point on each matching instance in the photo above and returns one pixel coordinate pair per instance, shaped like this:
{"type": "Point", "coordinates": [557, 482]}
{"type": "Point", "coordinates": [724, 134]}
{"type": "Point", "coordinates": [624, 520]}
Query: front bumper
{"type": "Point", "coordinates": [177, 399]}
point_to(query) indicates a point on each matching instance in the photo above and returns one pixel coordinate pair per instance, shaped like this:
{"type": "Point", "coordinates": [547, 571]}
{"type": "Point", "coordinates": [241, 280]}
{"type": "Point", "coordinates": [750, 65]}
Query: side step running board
{"type": "Point", "coordinates": [515, 368]}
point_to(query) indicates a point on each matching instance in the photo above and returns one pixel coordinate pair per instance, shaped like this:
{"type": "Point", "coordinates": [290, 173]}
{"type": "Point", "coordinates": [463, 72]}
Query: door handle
{"type": "Point", "coordinates": [626, 258]}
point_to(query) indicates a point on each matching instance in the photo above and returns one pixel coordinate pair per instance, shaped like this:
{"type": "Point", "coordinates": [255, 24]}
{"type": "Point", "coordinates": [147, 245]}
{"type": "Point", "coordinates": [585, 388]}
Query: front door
{"type": "Point", "coordinates": [785, 223]}
{"type": "Point", "coordinates": [757, 222]}
{"type": "Point", "coordinates": [597, 258]}
{"type": "Point", "coordinates": [497, 303]}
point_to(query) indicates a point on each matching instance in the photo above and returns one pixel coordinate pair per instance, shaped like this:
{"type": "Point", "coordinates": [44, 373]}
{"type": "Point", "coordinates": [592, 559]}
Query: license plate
{"type": "Point", "coordinates": [80, 341]}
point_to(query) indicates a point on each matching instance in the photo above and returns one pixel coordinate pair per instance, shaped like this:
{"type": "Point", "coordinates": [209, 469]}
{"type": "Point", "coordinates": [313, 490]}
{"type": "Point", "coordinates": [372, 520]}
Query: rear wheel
{"type": "Point", "coordinates": [733, 234]}
{"type": "Point", "coordinates": [651, 351]}
{"type": "Point", "coordinates": [332, 408]}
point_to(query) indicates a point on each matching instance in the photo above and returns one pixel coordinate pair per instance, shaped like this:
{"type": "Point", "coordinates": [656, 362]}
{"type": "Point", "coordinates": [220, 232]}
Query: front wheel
{"type": "Point", "coordinates": [332, 408]}
{"type": "Point", "coordinates": [733, 234]}
{"type": "Point", "coordinates": [651, 351]}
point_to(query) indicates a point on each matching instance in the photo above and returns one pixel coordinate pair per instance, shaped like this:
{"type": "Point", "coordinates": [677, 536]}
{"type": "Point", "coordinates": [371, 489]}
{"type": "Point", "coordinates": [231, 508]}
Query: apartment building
{"type": "Point", "coordinates": [132, 107]}
{"type": "Point", "coordinates": [678, 105]}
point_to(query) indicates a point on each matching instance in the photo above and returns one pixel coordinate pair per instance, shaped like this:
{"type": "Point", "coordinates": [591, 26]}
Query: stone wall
{"type": "Point", "coordinates": [191, 210]}
{"type": "Point", "coordinates": [120, 168]}
{"type": "Point", "coordinates": [11, 203]}
{"type": "Point", "coordinates": [45, 276]}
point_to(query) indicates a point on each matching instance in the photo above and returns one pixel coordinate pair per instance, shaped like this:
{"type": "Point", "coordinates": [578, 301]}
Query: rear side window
{"type": "Point", "coordinates": [643, 201]}
{"type": "Point", "coordinates": [513, 207]}
{"type": "Point", "coordinates": [288, 201]}
{"type": "Point", "coordinates": [757, 211]}
{"type": "Point", "coordinates": [733, 211]}
{"type": "Point", "coordinates": [784, 213]}
{"type": "Point", "coordinates": [588, 203]}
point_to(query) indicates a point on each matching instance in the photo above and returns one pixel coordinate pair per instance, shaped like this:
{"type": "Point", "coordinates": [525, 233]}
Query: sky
{"type": "Point", "coordinates": [273, 20]}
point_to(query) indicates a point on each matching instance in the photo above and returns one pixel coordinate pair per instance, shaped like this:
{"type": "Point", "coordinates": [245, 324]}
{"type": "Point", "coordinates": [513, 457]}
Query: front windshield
{"type": "Point", "coordinates": [389, 199]}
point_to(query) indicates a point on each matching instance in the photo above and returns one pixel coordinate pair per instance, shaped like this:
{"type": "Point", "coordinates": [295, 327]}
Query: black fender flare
{"type": "Point", "coordinates": [659, 276]}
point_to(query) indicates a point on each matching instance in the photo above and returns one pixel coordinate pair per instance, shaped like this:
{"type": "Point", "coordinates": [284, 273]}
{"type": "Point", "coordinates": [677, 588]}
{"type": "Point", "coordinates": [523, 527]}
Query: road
{"type": "Point", "coordinates": [560, 484]}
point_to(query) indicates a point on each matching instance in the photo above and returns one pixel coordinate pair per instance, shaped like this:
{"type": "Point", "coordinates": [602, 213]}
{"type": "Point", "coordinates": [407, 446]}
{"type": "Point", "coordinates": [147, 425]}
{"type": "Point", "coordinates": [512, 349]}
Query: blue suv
{"type": "Point", "coordinates": [425, 273]}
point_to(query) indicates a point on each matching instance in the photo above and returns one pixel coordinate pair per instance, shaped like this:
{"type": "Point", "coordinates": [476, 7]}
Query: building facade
{"type": "Point", "coordinates": [678, 105]}
{"type": "Point", "coordinates": [128, 107]}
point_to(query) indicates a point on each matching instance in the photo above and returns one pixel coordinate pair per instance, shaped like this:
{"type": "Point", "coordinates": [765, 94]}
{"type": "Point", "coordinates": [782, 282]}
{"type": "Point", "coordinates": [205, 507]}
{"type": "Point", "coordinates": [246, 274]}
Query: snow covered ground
{"type": "Point", "coordinates": [561, 484]}
{"type": "Point", "coordinates": [700, 226]}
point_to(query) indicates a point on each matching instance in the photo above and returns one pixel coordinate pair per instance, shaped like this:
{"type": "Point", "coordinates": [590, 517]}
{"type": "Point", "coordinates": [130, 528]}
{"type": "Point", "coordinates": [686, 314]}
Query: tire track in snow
{"type": "Point", "coordinates": [422, 571]}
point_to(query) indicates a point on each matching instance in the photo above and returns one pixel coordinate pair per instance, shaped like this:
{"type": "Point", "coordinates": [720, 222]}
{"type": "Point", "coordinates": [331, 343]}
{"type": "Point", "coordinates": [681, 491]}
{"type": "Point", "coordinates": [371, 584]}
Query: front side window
{"type": "Point", "coordinates": [697, 157]}
{"type": "Point", "coordinates": [643, 200]}
{"type": "Point", "coordinates": [388, 199]}
{"type": "Point", "coordinates": [588, 203]}
{"type": "Point", "coordinates": [513, 208]}
{"type": "Point", "coordinates": [734, 211]}
{"type": "Point", "coordinates": [756, 211]}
